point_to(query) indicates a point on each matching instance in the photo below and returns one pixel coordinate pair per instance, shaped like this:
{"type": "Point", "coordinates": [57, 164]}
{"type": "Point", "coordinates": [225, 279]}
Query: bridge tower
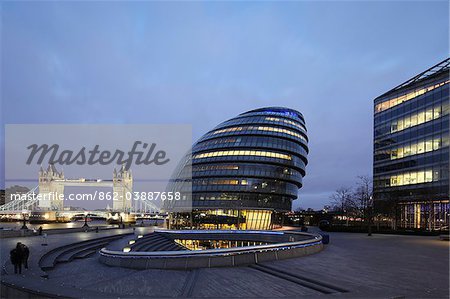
{"type": "Point", "coordinates": [122, 190]}
{"type": "Point", "coordinates": [50, 189]}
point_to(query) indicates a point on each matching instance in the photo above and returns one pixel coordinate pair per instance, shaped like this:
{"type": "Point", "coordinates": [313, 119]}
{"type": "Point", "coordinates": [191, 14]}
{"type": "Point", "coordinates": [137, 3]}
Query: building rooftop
{"type": "Point", "coordinates": [439, 68]}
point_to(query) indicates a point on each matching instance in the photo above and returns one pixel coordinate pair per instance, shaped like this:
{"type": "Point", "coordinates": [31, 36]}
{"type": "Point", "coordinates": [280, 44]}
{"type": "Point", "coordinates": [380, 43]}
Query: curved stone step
{"type": "Point", "coordinates": [138, 246]}
{"type": "Point", "coordinates": [85, 253]}
{"type": "Point", "coordinates": [162, 246]}
{"type": "Point", "coordinates": [48, 260]}
{"type": "Point", "coordinates": [152, 245]}
{"type": "Point", "coordinates": [68, 256]}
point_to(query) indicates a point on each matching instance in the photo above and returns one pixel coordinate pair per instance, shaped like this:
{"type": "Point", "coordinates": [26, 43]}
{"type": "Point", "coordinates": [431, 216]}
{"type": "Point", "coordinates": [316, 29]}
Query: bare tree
{"type": "Point", "coordinates": [362, 195]}
{"type": "Point", "coordinates": [363, 200]}
{"type": "Point", "coordinates": [341, 200]}
{"type": "Point", "coordinates": [357, 201]}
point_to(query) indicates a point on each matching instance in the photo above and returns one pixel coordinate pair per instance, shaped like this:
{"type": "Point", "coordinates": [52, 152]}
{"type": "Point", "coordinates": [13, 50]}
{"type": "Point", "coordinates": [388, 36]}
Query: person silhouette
{"type": "Point", "coordinates": [26, 254]}
{"type": "Point", "coordinates": [16, 257]}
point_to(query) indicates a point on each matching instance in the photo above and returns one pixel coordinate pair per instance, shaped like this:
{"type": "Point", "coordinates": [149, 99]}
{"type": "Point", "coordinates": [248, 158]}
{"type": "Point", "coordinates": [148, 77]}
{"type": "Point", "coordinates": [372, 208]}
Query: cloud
{"type": "Point", "coordinates": [205, 62]}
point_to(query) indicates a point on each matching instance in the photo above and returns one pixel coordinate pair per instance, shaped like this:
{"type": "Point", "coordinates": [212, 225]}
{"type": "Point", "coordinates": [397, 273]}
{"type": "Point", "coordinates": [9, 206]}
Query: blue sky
{"type": "Point", "coordinates": [204, 62]}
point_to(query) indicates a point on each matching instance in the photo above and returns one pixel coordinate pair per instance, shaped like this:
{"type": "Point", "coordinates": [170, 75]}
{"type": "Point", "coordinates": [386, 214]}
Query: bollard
{"type": "Point", "coordinates": [44, 240]}
{"type": "Point", "coordinates": [325, 238]}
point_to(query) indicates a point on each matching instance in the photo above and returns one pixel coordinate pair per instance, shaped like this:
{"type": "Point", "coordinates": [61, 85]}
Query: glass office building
{"type": "Point", "coordinates": [411, 151]}
{"type": "Point", "coordinates": [246, 172]}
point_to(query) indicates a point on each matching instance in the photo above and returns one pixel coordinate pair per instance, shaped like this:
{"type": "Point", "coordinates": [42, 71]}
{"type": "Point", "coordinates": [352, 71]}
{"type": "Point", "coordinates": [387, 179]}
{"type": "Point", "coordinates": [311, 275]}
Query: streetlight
{"type": "Point", "coordinates": [370, 211]}
{"type": "Point", "coordinates": [85, 220]}
{"type": "Point", "coordinates": [121, 219]}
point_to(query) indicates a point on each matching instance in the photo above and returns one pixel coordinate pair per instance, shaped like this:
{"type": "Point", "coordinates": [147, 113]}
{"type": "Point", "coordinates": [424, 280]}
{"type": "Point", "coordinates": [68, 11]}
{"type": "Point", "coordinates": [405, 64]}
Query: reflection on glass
{"type": "Point", "coordinates": [406, 97]}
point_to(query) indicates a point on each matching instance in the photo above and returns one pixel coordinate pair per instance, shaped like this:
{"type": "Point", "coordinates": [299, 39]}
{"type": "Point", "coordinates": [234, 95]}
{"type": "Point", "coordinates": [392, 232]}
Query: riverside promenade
{"type": "Point", "coordinates": [380, 266]}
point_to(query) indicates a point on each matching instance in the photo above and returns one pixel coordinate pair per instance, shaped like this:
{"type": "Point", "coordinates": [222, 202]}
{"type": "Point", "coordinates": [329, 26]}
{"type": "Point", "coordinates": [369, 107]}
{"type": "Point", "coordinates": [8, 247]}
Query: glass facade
{"type": "Point", "coordinates": [246, 172]}
{"type": "Point", "coordinates": [411, 151]}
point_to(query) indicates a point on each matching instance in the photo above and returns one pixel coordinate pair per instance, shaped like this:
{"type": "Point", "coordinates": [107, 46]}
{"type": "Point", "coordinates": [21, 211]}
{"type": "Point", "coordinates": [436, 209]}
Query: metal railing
{"type": "Point", "coordinates": [24, 202]}
{"type": "Point", "coordinates": [314, 240]}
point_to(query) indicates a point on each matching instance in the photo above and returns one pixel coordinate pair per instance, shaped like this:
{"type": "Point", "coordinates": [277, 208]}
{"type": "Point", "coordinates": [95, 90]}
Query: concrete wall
{"type": "Point", "coordinates": [207, 261]}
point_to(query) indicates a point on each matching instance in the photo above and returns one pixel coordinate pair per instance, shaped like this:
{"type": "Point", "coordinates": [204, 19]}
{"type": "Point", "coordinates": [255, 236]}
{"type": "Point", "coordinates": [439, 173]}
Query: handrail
{"type": "Point", "coordinates": [218, 231]}
{"type": "Point", "coordinates": [315, 239]}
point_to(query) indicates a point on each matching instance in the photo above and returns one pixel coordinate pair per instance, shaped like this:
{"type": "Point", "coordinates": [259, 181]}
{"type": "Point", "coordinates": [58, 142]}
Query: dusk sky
{"type": "Point", "coordinates": [201, 63]}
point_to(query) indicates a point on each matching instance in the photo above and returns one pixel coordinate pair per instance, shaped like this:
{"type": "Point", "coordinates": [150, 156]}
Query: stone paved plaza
{"type": "Point", "coordinates": [381, 266]}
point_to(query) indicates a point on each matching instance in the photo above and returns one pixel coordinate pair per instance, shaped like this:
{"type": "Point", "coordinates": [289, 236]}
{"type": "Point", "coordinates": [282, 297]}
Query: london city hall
{"type": "Point", "coordinates": [246, 171]}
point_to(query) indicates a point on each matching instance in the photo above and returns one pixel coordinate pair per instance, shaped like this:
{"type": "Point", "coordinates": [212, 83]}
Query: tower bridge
{"type": "Point", "coordinates": [51, 184]}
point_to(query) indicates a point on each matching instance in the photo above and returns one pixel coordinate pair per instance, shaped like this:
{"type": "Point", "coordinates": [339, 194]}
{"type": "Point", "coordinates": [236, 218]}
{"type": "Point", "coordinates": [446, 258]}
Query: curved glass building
{"type": "Point", "coordinates": [246, 171]}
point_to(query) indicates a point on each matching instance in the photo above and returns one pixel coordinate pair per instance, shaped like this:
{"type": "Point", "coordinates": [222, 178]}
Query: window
{"type": "Point", "coordinates": [406, 97]}
{"type": "Point", "coordinates": [414, 149]}
{"type": "Point", "coordinates": [421, 147]}
{"type": "Point", "coordinates": [437, 112]}
{"type": "Point", "coordinates": [407, 150]}
{"type": "Point", "coordinates": [428, 176]}
{"type": "Point", "coordinates": [260, 128]}
{"type": "Point", "coordinates": [420, 177]}
{"type": "Point", "coordinates": [413, 120]}
{"type": "Point", "coordinates": [394, 154]}
{"type": "Point", "coordinates": [428, 145]}
{"type": "Point", "coordinates": [429, 114]}
{"type": "Point", "coordinates": [407, 122]}
{"type": "Point", "coordinates": [421, 117]}
{"type": "Point", "coordinates": [436, 144]}
{"type": "Point", "coordinates": [415, 177]}
{"type": "Point", "coordinates": [243, 153]}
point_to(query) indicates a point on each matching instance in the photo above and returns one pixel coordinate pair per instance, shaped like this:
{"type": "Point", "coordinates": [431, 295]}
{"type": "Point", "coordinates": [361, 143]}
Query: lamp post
{"type": "Point", "coordinates": [85, 220]}
{"type": "Point", "coordinates": [370, 211]}
{"type": "Point", "coordinates": [24, 219]}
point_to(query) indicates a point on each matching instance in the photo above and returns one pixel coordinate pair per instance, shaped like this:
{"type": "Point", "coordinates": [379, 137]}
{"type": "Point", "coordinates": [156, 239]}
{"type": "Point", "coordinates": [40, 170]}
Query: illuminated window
{"type": "Point", "coordinates": [260, 128]}
{"type": "Point", "coordinates": [286, 121]}
{"type": "Point", "coordinates": [421, 118]}
{"type": "Point", "coordinates": [423, 146]}
{"type": "Point", "coordinates": [416, 177]}
{"type": "Point", "coordinates": [243, 153]}
{"type": "Point", "coordinates": [420, 177]}
{"type": "Point", "coordinates": [437, 112]}
{"type": "Point", "coordinates": [403, 98]}
{"type": "Point", "coordinates": [429, 114]}
{"type": "Point", "coordinates": [428, 176]}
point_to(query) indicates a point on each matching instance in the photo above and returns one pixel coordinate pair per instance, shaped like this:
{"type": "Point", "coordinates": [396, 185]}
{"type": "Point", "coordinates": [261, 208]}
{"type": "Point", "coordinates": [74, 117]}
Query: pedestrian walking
{"type": "Point", "coordinates": [40, 230]}
{"type": "Point", "coordinates": [16, 258]}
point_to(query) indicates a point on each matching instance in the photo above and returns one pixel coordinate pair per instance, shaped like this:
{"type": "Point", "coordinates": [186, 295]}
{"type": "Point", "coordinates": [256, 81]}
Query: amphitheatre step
{"type": "Point", "coordinates": [162, 246]}
{"type": "Point", "coordinates": [85, 253]}
{"type": "Point", "coordinates": [69, 255]}
{"type": "Point", "coordinates": [48, 260]}
{"type": "Point", "coordinates": [153, 245]}
{"type": "Point", "coordinates": [149, 241]}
